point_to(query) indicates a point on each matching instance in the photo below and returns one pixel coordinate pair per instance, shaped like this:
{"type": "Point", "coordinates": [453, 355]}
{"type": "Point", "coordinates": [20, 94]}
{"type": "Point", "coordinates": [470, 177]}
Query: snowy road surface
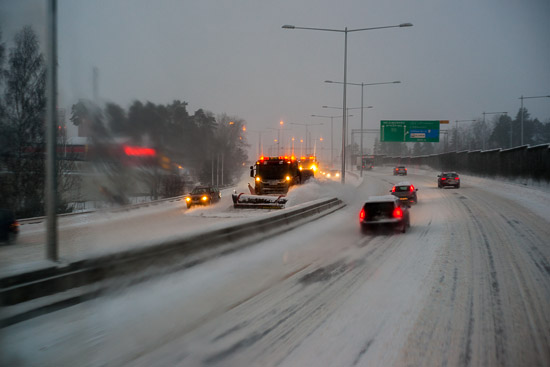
{"type": "Point", "coordinates": [467, 285]}
{"type": "Point", "coordinates": [106, 231]}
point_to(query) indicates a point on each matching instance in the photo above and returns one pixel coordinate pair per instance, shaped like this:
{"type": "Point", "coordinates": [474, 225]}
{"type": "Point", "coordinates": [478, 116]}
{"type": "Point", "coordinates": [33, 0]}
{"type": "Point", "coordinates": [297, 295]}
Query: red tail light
{"type": "Point", "coordinates": [398, 212]}
{"type": "Point", "coordinates": [362, 214]}
{"type": "Point", "coordinates": [412, 188]}
{"type": "Point", "coordinates": [456, 178]}
{"type": "Point", "coordinates": [443, 178]}
{"type": "Point", "coordinates": [405, 169]}
{"type": "Point", "coordinates": [393, 189]}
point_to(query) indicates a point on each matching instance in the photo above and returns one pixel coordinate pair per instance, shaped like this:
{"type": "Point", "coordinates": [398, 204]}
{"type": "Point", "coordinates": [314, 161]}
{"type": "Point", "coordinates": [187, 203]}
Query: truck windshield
{"type": "Point", "coordinates": [272, 171]}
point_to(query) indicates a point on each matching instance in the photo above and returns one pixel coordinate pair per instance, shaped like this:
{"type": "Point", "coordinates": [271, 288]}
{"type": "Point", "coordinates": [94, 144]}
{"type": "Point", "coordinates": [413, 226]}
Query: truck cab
{"type": "Point", "coordinates": [275, 175]}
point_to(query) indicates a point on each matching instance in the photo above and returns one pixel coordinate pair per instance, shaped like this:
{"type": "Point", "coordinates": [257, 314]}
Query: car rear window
{"type": "Point", "coordinates": [401, 188]}
{"type": "Point", "coordinates": [200, 190]}
{"type": "Point", "coordinates": [450, 175]}
{"type": "Point", "coordinates": [373, 210]}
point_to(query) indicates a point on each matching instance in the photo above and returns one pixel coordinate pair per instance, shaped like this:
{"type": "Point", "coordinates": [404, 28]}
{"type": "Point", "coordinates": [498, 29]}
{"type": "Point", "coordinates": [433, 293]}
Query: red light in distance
{"type": "Point", "coordinates": [139, 151]}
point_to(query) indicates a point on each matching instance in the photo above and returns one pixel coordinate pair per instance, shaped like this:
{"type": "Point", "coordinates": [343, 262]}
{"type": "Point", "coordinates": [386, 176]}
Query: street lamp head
{"type": "Point", "coordinates": [403, 25]}
{"type": "Point", "coordinates": [288, 26]}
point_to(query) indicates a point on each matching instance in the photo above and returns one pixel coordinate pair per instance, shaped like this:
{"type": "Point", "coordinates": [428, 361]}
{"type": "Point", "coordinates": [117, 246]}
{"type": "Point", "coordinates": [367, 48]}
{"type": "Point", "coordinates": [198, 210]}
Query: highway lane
{"type": "Point", "coordinates": [469, 284]}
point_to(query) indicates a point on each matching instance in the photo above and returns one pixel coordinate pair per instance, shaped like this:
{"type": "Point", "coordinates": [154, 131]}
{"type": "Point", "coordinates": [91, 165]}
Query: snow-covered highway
{"type": "Point", "coordinates": [468, 284]}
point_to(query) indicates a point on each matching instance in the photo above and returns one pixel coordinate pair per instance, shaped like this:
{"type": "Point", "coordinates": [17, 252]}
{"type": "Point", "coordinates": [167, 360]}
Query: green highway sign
{"type": "Point", "coordinates": [409, 131]}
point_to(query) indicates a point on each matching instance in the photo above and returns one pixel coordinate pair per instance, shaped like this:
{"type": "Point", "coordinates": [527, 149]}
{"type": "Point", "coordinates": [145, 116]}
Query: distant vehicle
{"type": "Point", "coordinates": [333, 174]}
{"type": "Point", "coordinates": [307, 166]}
{"type": "Point", "coordinates": [384, 211]}
{"type": "Point", "coordinates": [203, 195]}
{"type": "Point", "coordinates": [400, 171]}
{"type": "Point", "coordinates": [9, 227]}
{"type": "Point", "coordinates": [406, 192]}
{"type": "Point", "coordinates": [365, 162]}
{"type": "Point", "coordinates": [448, 179]}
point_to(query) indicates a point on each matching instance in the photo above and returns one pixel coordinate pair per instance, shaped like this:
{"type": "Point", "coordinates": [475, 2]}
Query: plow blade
{"type": "Point", "coordinates": [258, 201]}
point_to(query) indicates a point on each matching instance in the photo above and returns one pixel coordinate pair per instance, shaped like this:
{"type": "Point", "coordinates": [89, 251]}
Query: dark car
{"type": "Point", "coordinates": [9, 227]}
{"type": "Point", "coordinates": [384, 211]}
{"type": "Point", "coordinates": [400, 171]}
{"type": "Point", "coordinates": [203, 195]}
{"type": "Point", "coordinates": [448, 179]}
{"type": "Point", "coordinates": [406, 192]}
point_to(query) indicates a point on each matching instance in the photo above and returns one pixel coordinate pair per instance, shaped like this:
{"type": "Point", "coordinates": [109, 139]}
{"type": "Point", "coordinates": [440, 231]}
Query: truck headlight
{"type": "Point", "coordinates": [188, 199]}
{"type": "Point", "coordinates": [258, 179]}
{"type": "Point", "coordinates": [204, 198]}
{"type": "Point", "coordinates": [288, 178]}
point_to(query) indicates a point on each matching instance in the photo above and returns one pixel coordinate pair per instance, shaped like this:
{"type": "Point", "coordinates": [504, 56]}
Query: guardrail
{"type": "Point", "coordinates": [131, 266]}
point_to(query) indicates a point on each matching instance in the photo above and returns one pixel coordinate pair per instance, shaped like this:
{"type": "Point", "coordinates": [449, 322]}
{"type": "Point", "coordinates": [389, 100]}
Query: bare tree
{"type": "Point", "coordinates": [23, 125]}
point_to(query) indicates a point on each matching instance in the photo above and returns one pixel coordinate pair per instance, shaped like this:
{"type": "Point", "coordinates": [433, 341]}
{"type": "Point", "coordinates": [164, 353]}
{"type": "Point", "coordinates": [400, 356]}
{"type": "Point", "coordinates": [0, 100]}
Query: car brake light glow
{"type": "Point", "coordinates": [412, 188]}
{"type": "Point", "coordinates": [362, 214]}
{"type": "Point", "coordinates": [393, 189]}
{"type": "Point", "coordinates": [398, 212]}
{"type": "Point", "coordinates": [443, 178]}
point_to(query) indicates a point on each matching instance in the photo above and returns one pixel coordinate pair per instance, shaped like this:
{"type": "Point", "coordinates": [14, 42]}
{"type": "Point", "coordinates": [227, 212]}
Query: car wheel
{"type": "Point", "coordinates": [458, 186]}
{"type": "Point", "coordinates": [188, 206]}
{"type": "Point", "coordinates": [404, 229]}
{"type": "Point", "coordinates": [364, 229]}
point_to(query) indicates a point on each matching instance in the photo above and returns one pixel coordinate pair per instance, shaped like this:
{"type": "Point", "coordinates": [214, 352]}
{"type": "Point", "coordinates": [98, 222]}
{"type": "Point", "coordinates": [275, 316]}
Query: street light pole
{"type": "Point", "coordinates": [351, 108]}
{"type": "Point", "coordinates": [331, 134]}
{"type": "Point", "coordinates": [362, 85]}
{"type": "Point", "coordinates": [344, 117]}
{"type": "Point", "coordinates": [51, 134]}
{"type": "Point", "coordinates": [521, 111]}
{"type": "Point", "coordinates": [307, 131]}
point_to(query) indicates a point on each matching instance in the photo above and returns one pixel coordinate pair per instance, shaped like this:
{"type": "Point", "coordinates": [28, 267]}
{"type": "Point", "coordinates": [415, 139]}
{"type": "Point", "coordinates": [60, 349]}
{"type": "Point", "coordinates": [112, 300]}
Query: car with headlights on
{"type": "Point", "coordinates": [203, 195]}
{"type": "Point", "coordinates": [445, 179]}
{"type": "Point", "coordinates": [384, 212]}
{"type": "Point", "coordinates": [405, 192]}
{"type": "Point", "coordinates": [333, 174]}
{"type": "Point", "coordinates": [400, 171]}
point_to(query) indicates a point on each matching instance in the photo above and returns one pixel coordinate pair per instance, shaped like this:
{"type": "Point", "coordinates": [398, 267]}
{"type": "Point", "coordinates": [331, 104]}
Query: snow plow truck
{"type": "Point", "coordinates": [273, 177]}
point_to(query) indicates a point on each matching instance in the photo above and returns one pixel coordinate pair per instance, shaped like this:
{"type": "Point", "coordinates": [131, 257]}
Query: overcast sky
{"type": "Point", "coordinates": [460, 58]}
